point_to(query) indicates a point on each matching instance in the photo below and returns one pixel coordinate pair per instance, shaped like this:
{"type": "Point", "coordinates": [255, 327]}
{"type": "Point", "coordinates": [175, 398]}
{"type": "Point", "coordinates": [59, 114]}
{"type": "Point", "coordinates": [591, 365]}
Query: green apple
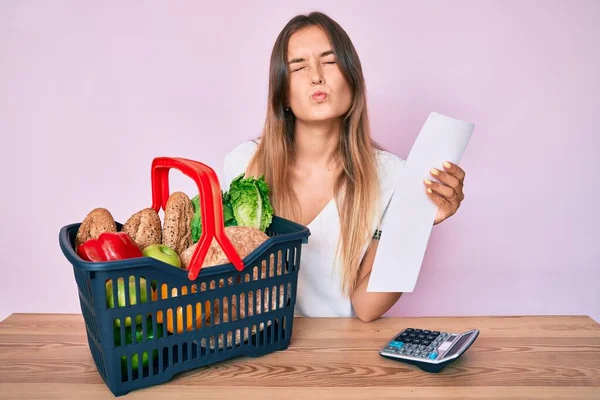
{"type": "Point", "coordinates": [110, 301]}
{"type": "Point", "coordinates": [163, 253]}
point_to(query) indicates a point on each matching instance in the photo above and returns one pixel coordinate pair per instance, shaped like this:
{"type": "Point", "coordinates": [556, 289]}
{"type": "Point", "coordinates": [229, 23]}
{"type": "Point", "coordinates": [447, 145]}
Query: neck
{"type": "Point", "coordinates": [316, 143]}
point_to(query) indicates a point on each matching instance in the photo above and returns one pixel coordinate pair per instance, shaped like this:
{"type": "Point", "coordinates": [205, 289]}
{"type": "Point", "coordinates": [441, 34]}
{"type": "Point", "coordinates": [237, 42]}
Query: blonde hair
{"type": "Point", "coordinates": [357, 186]}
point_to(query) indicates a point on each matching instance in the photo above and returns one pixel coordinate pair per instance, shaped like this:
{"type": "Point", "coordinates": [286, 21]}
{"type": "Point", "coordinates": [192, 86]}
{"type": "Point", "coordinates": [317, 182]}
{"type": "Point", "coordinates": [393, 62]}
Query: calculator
{"type": "Point", "coordinates": [429, 350]}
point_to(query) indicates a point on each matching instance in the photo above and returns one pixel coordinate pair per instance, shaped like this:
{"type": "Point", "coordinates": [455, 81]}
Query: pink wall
{"type": "Point", "coordinates": [89, 92]}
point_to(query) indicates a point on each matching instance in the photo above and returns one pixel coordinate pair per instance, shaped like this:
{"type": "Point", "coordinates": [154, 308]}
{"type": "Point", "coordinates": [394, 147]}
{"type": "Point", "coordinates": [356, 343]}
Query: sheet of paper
{"type": "Point", "coordinates": [410, 214]}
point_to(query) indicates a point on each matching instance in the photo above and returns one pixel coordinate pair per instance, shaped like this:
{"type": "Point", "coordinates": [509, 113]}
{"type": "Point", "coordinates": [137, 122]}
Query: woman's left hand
{"type": "Point", "coordinates": [447, 194]}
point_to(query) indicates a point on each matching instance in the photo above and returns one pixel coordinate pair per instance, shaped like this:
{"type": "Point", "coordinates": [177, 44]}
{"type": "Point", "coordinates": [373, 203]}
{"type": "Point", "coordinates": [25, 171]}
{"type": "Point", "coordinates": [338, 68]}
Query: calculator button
{"type": "Point", "coordinates": [426, 332]}
{"type": "Point", "coordinates": [421, 336]}
{"type": "Point", "coordinates": [433, 355]}
{"type": "Point", "coordinates": [396, 344]}
{"type": "Point", "coordinates": [435, 333]}
{"type": "Point", "coordinates": [408, 340]}
{"type": "Point", "coordinates": [408, 330]}
{"type": "Point", "coordinates": [444, 334]}
{"type": "Point", "coordinates": [409, 352]}
{"type": "Point", "coordinates": [390, 349]}
{"type": "Point", "coordinates": [417, 341]}
{"type": "Point", "coordinates": [418, 330]}
{"type": "Point", "coordinates": [426, 342]}
{"type": "Point", "coordinates": [422, 347]}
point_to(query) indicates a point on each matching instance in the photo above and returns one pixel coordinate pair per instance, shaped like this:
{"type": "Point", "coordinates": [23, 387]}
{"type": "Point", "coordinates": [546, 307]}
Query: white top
{"type": "Point", "coordinates": [319, 290]}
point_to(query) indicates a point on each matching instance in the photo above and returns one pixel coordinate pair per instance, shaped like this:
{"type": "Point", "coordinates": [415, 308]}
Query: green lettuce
{"type": "Point", "coordinates": [246, 203]}
{"type": "Point", "coordinates": [249, 198]}
{"type": "Point", "coordinates": [228, 217]}
{"type": "Point", "coordinates": [196, 224]}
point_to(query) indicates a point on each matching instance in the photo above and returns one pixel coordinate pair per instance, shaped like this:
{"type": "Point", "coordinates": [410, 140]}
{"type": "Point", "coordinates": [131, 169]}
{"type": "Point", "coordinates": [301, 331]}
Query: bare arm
{"type": "Point", "coordinates": [447, 194]}
{"type": "Point", "coordinates": [369, 306]}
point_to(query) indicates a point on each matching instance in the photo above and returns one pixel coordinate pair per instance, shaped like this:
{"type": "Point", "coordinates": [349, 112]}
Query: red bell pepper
{"type": "Point", "coordinates": [109, 246]}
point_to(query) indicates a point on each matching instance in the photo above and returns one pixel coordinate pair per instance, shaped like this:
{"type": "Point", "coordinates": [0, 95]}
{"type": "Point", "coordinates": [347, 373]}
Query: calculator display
{"type": "Point", "coordinates": [456, 348]}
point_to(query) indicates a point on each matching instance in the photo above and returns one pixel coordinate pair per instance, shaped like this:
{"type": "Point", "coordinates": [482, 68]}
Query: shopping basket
{"type": "Point", "coordinates": [173, 320]}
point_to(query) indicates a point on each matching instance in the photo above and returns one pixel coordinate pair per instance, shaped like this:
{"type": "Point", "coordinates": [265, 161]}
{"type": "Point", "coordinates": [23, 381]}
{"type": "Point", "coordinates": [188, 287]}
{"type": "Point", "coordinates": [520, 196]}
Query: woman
{"type": "Point", "coordinates": [325, 171]}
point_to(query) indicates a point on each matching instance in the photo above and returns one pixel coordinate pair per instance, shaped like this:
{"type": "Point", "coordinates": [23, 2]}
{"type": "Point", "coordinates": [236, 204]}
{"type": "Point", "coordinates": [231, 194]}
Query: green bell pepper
{"type": "Point", "coordinates": [139, 336]}
{"type": "Point", "coordinates": [110, 301]}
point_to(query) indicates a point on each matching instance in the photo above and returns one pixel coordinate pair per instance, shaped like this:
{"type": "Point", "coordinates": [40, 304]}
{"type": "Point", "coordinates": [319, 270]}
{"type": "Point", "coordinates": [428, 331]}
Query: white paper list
{"type": "Point", "coordinates": [410, 214]}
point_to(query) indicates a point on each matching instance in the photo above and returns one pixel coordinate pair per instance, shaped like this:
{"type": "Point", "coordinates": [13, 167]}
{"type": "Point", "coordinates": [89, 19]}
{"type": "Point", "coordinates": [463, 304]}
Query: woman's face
{"type": "Point", "coordinates": [318, 90]}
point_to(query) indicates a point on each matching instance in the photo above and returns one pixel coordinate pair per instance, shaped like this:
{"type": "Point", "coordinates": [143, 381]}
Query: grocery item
{"type": "Point", "coordinates": [228, 218]}
{"type": "Point", "coordinates": [249, 199]}
{"type": "Point", "coordinates": [97, 221]}
{"type": "Point", "coordinates": [139, 337]}
{"type": "Point", "coordinates": [163, 253]}
{"type": "Point", "coordinates": [133, 298]}
{"type": "Point", "coordinates": [109, 246]}
{"type": "Point", "coordinates": [144, 227]}
{"type": "Point", "coordinates": [246, 203]}
{"type": "Point", "coordinates": [178, 217]}
{"type": "Point", "coordinates": [244, 238]}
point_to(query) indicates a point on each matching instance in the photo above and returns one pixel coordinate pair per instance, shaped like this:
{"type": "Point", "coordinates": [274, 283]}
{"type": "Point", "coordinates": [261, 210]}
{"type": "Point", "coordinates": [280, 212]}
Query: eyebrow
{"type": "Point", "coordinates": [298, 60]}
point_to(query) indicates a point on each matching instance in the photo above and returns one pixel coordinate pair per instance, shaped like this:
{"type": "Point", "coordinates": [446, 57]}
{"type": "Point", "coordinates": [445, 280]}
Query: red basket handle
{"type": "Point", "coordinates": [211, 208]}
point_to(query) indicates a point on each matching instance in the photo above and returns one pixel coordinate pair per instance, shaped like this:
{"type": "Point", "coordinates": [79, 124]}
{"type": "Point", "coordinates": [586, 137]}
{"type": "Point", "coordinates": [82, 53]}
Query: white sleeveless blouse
{"type": "Point", "coordinates": [319, 286]}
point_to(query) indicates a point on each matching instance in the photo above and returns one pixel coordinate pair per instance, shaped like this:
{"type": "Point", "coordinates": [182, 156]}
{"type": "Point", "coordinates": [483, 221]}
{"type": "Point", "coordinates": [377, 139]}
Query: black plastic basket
{"type": "Point", "coordinates": [171, 320]}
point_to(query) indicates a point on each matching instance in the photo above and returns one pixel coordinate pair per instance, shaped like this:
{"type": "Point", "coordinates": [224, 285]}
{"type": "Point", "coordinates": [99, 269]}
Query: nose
{"type": "Point", "coordinates": [317, 77]}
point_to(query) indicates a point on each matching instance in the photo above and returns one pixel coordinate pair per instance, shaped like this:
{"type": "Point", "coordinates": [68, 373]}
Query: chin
{"type": "Point", "coordinates": [324, 116]}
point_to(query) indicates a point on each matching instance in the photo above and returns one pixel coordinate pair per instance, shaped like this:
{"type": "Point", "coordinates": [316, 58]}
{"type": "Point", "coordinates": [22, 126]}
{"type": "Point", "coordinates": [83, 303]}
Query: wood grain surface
{"type": "Point", "coordinates": [46, 356]}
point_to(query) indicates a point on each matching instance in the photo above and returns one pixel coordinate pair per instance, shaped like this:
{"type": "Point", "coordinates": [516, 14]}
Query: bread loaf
{"type": "Point", "coordinates": [97, 221]}
{"type": "Point", "coordinates": [177, 233]}
{"type": "Point", "coordinates": [144, 227]}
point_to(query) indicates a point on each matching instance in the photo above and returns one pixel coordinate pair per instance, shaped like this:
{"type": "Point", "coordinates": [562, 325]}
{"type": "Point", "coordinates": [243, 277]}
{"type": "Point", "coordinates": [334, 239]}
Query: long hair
{"type": "Point", "coordinates": [357, 186]}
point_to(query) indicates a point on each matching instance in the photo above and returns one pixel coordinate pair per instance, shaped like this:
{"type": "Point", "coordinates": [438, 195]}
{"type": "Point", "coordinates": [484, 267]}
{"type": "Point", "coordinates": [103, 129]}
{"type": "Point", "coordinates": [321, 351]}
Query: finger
{"type": "Point", "coordinates": [438, 200]}
{"type": "Point", "coordinates": [447, 179]}
{"type": "Point", "coordinates": [443, 190]}
{"type": "Point", "coordinates": [455, 170]}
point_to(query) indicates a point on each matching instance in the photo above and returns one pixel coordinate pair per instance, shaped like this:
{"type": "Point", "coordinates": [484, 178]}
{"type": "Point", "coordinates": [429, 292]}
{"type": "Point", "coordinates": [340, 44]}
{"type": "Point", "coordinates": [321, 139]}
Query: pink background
{"type": "Point", "coordinates": [90, 91]}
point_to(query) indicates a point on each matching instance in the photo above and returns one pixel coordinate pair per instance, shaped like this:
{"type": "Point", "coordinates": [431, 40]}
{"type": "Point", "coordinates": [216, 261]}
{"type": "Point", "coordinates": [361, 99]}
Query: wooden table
{"type": "Point", "coordinates": [46, 356]}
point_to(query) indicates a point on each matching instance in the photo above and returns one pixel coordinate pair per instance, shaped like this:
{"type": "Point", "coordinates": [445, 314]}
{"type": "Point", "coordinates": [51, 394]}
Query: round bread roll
{"type": "Point", "coordinates": [177, 232]}
{"type": "Point", "coordinates": [244, 238]}
{"type": "Point", "coordinates": [98, 220]}
{"type": "Point", "coordinates": [144, 227]}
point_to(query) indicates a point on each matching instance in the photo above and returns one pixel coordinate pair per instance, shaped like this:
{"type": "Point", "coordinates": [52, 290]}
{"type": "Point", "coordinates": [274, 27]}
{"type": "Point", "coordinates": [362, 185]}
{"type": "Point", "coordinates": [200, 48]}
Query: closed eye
{"type": "Point", "coordinates": [327, 62]}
